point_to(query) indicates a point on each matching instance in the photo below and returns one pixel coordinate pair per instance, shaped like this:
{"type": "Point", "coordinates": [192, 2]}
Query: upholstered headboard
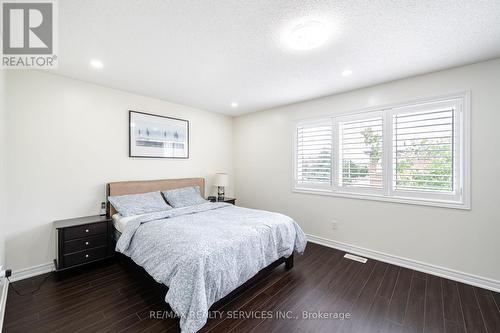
{"type": "Point", "coordinates": [143, 186]}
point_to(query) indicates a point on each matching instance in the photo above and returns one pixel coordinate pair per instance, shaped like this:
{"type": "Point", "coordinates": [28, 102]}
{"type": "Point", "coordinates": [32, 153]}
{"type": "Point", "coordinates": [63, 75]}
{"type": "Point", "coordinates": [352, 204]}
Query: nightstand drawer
{"type": "Point", "coordinates": [85, 256]}
{"type": "Point", "coordinates": [86, 243]}
{"type": "Point", "coordinates": [84, 230]}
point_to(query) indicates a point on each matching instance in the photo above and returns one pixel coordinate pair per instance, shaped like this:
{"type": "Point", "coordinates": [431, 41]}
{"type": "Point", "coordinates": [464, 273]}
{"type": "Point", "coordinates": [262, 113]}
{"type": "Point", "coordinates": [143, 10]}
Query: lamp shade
{"type": "Point", "coordinates": [221, 179]}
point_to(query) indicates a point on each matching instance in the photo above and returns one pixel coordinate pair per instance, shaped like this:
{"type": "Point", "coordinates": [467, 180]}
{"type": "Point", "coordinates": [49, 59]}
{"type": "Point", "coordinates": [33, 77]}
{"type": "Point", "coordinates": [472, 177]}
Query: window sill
{"type": "Point", "coordinates": [374, 197]}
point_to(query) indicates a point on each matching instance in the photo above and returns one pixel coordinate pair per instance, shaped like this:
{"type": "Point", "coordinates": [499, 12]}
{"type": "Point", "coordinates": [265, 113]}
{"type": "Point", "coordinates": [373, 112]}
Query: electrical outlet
{"type": "Point", "coordinates": [335, 225]}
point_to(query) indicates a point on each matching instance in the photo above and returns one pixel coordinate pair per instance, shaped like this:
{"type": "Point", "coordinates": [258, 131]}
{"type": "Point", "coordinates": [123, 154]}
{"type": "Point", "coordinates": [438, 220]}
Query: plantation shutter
{"type": "Point", "coordinates": [361, 152]}
{"type": "Point", "coordinates": [423, 149]}
{"type": "Point", "coordinates": [314, 154]}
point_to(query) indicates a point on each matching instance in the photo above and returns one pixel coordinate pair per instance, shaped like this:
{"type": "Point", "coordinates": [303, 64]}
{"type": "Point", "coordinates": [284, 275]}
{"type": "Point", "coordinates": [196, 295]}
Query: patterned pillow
{"type": "Point", "coordinates": [184, 196]}
{"type": "Point", "coordinates": [136, 204]}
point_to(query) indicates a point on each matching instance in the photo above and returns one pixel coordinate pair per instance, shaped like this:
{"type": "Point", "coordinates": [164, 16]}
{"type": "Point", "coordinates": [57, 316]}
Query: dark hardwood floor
{"type": "Point", "coordinates": [380, 297]}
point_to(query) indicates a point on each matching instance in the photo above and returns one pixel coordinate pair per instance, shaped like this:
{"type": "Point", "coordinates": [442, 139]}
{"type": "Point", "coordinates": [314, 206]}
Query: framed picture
{"type": "Point", "coordinates": [157, 136]}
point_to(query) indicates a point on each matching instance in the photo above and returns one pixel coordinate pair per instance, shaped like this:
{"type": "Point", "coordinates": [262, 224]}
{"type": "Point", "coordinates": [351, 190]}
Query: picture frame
{"type": "Point", "coordinates": [155, 136]}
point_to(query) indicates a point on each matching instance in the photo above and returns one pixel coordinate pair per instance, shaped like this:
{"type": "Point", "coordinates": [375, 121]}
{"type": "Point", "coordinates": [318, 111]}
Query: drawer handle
{"type": "Point", "coordinates": [86, 256]}
{"type": "Point", "coordinates": [87, 230]}
{"type": "Point", "coordinates": [86, 243]}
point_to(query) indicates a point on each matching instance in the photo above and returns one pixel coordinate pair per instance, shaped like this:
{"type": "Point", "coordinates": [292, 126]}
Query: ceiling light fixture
{"type": "Point", "coordinates": [234, 105]}
{"type": "Point", "coordinates": [96, 63]}
{"type": "Point", "coordinates": [308, 35]}
{"type": "Point", "coordinates": [346, 72]}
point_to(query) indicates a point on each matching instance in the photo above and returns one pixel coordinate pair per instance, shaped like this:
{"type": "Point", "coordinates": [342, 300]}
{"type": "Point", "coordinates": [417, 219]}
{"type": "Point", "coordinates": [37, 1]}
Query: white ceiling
{"type": "Point", "coordinates": [207, 54]}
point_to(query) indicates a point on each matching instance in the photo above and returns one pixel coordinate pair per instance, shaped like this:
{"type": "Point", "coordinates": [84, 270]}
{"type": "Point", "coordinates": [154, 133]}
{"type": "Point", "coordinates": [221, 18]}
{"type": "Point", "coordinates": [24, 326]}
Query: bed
{"type": "Point", "coordinates": [202, 252]}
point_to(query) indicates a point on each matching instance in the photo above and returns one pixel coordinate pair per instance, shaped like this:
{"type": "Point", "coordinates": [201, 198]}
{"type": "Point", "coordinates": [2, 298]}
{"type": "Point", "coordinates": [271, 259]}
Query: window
{"type": "Point", "coordinates": [360, 152]}
{"type": "Point", "coordinates": [426, 152]}
{"type": "Point", "coordinates": [314, 154]}
{"type": "Point", "coordinates": [414, 153]}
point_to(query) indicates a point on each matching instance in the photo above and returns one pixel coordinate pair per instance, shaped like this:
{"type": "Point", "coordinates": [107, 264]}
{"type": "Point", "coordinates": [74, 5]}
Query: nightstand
{"type": "Point", "coordinates": [82, 241]}
{"type": "Point", "coordinates": [232, 201]}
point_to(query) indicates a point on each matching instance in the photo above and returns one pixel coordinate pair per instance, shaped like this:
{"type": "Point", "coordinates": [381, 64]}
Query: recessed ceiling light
{"type": "Point", "coordinates": [234, 105]}
{"type": "Point", "coordinates": [96, 63]}
{"type": "Point", "coordinates": [346, 72]}
{"type": "Point", "coordinates": [308, 35]}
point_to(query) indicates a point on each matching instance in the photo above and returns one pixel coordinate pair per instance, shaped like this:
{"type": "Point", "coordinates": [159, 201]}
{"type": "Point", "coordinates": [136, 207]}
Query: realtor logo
{"type": "Point", "coordinates": [28, 34]}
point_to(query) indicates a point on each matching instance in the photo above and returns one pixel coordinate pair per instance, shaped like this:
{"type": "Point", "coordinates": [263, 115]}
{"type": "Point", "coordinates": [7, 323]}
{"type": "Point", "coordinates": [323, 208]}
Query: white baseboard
{"type": "Point", "coordinates": [25, 273]}
{"type": "Point", "coordinates": [447, 273]}
{"type": "Point", "coordinates": [4, 287]}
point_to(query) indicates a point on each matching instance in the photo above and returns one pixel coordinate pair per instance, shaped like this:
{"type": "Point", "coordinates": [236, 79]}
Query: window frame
{"type": "Point", "coordinates": [457, 184]}
{"type": "Point", "coordinates": [459, 200]}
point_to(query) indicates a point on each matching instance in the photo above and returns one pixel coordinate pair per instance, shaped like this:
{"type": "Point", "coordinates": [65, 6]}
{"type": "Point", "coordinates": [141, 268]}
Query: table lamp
{"type": "Point", "coordinates": [221, 180]}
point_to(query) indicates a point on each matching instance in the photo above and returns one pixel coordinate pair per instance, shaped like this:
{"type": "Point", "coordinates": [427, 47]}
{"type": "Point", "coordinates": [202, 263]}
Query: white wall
{"type": "Point", "coordinates": [67, 139]}
{"type": "Point", "coordinates": [466, 241]}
